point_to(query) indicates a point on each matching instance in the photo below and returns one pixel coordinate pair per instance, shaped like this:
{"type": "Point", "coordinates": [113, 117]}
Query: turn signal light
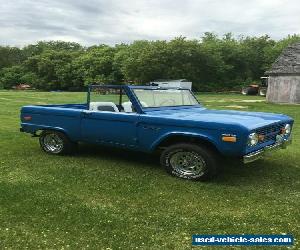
{"type": "Point", "coordinates": [229, 138]}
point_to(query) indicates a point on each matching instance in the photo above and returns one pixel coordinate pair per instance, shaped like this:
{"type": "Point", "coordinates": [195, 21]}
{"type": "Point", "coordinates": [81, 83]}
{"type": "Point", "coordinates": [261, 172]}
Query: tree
{"type": "Point", "coordinates": [10, 56]}
{"type": "Point", "coordinates": [42, 46]}
{"type": "Point", "coordinates": [10, 77]}
{"type": "Point", "coordinates": [96, 65]}
{"type": "Point", "coordinates": [52, 68]}
{"type": "Point", "coordinates": [211, 63]}
{"type": "Point", "coordinates": [142, 61]}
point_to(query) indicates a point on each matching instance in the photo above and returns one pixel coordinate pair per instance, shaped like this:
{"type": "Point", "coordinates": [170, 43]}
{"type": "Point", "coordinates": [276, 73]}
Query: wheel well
{"type": "Point", "coordinates": [185, 139]}
{"type": "Point", "coordinates": [40, 131]}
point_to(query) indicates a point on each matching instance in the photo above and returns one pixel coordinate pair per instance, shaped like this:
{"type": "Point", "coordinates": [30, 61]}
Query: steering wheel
{"type": "Point", "coordinates": [172, 101]}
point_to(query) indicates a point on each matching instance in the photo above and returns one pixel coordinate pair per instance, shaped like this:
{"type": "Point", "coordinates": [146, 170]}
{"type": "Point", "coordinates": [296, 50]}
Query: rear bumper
{"type": "Point", "coordinates": [262, 152]}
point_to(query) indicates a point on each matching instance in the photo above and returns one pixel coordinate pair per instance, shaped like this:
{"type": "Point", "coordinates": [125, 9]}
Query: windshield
{"type": "Point", "coordinates": [165, 97]}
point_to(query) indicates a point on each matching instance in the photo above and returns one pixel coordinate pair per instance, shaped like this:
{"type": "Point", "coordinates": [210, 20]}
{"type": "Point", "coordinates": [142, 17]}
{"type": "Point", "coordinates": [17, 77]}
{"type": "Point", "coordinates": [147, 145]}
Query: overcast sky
{"type": "Point", "coordinates": [115, 21]}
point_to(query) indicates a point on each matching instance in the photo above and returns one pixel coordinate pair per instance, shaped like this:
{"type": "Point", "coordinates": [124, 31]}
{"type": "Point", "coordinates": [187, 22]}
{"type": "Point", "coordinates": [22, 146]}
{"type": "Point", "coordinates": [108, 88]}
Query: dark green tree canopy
{"type": "Point", "coordinates": [212, 63]}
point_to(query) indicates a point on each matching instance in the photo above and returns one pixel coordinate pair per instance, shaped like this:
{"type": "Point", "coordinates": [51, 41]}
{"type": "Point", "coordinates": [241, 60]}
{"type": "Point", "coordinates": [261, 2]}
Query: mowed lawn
{"type": "Point", "coordinates": [103, 198]}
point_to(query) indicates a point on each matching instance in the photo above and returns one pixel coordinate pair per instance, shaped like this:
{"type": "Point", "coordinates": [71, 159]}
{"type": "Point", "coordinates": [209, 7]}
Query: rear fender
{"type": "Point", "coordinates": [33, 128]}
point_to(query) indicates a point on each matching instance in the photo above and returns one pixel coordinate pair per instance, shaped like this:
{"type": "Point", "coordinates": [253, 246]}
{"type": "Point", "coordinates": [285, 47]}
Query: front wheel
{"type": "Point", "coordinates": [55, 142]}
{"type": "Point", "coordinates": [189, 161]}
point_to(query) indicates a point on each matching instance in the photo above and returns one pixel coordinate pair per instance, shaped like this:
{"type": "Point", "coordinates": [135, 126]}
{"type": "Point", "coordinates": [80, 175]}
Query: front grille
{"type": "Point", "coordinates": [269, 132]}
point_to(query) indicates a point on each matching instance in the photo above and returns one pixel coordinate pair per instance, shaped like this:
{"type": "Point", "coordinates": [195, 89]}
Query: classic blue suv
{"type": "Point", "coordinates": [171, 121]}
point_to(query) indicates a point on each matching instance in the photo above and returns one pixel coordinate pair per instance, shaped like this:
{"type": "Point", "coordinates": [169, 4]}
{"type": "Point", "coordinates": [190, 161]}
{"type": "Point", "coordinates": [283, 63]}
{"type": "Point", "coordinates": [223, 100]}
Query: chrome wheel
{"type": "Point", "coordinates": [53, 143]}
{"type": "Point", "coordinates": [188, 163]}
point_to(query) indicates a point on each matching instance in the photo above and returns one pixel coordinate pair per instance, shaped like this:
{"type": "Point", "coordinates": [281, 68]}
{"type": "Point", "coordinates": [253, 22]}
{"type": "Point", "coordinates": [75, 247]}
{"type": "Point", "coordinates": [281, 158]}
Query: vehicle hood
{"type": "Point", "coordinates": [248, 120]}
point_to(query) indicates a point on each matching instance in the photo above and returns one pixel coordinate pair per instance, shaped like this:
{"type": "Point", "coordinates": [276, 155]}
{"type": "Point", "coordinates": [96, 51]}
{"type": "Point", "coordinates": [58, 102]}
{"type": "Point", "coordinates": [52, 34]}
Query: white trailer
{"type": "Point", "coordinates": [181, 83]}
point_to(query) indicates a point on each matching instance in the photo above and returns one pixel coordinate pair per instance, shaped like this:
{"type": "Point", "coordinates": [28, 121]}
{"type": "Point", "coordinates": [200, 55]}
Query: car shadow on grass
{"type": "Point", "coordinates": [232, 172]}
{"type": "Point", "coordinates": [118, 154]}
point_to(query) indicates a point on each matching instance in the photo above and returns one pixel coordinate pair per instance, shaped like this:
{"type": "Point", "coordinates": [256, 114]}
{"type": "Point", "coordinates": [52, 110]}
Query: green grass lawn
{"type": "Point", "coordinates": [114, 199]}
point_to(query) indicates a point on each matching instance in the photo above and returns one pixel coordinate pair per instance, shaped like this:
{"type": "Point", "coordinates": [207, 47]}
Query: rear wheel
{"type": "Point", "coordinates": [55, 142]}
{"type": "Point", "coordinates": [245, 91]}
{"type": "Point", "coordinates": [189, 161]}
{"type": "Point", "coordinates": [263, 91]}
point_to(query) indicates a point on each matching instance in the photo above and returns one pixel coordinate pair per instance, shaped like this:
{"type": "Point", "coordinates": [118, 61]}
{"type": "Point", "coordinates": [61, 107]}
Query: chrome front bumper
{"type": "Point", "coordinates": [262, 152]}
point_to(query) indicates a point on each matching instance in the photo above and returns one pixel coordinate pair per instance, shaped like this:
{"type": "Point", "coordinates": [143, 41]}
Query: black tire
{"type": "Point", "coordinates": [185, 154]}
{"type": "Point", "coordinates": [250, 91]}
{"type": "Point", "coordinates": [55, 142]}
{"type": "Point", "coordinates": [245, 91]}
{"type": "Point", "coordinates": [263, 91]}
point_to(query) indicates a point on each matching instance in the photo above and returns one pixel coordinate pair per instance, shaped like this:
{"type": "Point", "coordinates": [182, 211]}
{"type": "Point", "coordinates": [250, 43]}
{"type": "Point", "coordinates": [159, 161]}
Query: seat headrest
{"type": "Point", "coordinates": [127, 107]}
{"type": "Point", "coordinates": [103, 106]}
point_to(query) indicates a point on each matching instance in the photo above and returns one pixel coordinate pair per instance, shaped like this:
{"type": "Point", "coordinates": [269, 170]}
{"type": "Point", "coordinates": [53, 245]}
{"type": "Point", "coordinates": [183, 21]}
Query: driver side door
{"type": "Point", "coordinates": [111, 128]}
{"type": "Point", "coordinates": [105, 121]}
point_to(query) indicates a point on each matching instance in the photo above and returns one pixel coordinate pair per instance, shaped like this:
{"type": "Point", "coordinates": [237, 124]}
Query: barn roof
{"type": "Point", "coordinates": [288, 62]}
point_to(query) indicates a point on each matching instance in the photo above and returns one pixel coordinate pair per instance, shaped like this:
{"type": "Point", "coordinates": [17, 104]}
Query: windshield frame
{"type": "Point", "coordinates": [151, 88]}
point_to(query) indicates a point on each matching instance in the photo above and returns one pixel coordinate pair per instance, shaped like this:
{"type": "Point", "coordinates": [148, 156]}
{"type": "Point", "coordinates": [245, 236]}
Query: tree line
{"type": "Point", "coordinates": [212, 63]}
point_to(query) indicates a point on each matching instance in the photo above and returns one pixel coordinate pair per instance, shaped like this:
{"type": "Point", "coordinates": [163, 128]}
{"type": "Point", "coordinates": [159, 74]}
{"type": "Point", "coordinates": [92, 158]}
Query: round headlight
{"type": "Point", "coordinates": [287, 129]}
{"type": "Point", "coordinates": [252, 139]}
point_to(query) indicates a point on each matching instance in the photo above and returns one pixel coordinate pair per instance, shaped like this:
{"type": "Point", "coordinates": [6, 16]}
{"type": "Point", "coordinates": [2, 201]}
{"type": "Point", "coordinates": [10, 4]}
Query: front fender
{"type": "Point", "coordinates": [164, 137]}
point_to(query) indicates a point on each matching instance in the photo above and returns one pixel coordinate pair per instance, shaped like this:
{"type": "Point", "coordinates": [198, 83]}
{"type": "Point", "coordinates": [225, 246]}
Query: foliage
{"type": "Point", "coordinates": [10, 56]}
{"type": "Point", "coordinates": [53, 69]}
{"type": "Point", "coordinates": [212, 63]}
{"type": "Point", "coordinates": [10, 77]}
{"type": "Point", "coordinates": [96, 65]}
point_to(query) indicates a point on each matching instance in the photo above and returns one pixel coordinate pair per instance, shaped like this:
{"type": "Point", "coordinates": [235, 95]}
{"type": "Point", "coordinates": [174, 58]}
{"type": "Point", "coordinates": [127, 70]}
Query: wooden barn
{"type": "Point", "coordinates": [284, 77]}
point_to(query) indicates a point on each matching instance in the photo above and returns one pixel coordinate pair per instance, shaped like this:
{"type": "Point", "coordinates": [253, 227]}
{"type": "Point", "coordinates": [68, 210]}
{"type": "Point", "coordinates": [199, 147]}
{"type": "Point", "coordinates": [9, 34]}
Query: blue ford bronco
{"type": "Point", "coordinates": [189, 137]}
